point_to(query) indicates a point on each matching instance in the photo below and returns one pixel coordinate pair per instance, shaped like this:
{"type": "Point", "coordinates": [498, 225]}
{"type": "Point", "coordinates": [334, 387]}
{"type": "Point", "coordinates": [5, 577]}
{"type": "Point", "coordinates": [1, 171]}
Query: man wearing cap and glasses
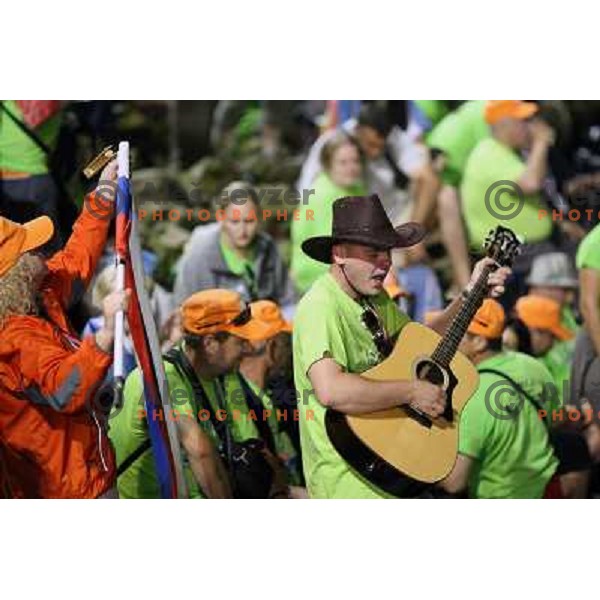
{"type": "Point", "coordinates": [346, 324]}
{"type": "Point", "coordinates": [216, 326]}
{"type": "Point", "coordinates": [55, 445]}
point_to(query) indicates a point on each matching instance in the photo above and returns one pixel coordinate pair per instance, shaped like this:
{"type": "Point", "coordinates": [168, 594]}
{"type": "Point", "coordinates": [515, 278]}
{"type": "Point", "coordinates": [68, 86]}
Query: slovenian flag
{"type": "Point", "coordinates": [130, 273]}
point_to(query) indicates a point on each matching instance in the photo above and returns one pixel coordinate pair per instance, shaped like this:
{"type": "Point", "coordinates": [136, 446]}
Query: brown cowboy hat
{"type": "Point", "coordinates": [362, 220]}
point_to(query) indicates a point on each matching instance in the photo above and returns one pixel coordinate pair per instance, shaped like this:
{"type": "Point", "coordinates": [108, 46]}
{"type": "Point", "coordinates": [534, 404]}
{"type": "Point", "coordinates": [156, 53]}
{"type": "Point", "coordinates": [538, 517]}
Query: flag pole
{"type": "Point", "coordinates": [118, 357]}
{"type": "Point", "coordinates": [162, 428]}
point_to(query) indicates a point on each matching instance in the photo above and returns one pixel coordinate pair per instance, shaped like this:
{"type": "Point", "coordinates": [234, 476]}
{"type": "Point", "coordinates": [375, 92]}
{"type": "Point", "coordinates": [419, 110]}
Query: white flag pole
{"type": "Point", "coordinates": [118, 362]}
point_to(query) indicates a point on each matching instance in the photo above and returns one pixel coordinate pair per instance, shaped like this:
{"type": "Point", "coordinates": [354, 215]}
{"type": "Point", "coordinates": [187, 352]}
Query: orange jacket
{"type": "Point", "coordinates": [55, 445]}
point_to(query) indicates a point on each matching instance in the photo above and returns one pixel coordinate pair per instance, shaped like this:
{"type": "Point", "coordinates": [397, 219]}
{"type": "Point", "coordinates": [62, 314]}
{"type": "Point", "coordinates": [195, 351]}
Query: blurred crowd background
{"type": "Point", "coordinates": [186, 152]}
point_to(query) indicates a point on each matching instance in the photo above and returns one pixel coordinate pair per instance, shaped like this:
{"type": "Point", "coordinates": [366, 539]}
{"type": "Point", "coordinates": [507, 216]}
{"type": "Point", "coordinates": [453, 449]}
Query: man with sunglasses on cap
{"type": "Point", "coordinates": [217, 324]}
{"type": "Point", "coordinates": [55, 445]}
{"type": "Point", "coordinates": [346, 324]}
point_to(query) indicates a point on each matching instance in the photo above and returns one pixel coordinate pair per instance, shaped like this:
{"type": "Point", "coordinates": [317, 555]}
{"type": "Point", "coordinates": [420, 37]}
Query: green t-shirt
{"type": "Point", "coordinates": [328, 323]}
{"type": "Point", "coordinates": [128, 427]}
{"type": "Point", "coordinates": [305, 270]}
{"type": "Point", "coordinates": [513, 456]}
{"type": "Point", "coordinates": [558, 361]}
{"type": "Point", "coordinates": [283, 444]}
{"type": "Point", "coordinates": [434, 110]}
{"type": "Point", "coordinates": [491, 162]}
{"type": "Point", "coordinates": [239, 265]}
{"type": "Point", "coordinates": [457, 135]}
{"type": "Point", "coordinates": [588, 253]}
{"type": "Point", "coordinates": [18, 152]}
{"type": "Point", "coordinates": [568, 320]}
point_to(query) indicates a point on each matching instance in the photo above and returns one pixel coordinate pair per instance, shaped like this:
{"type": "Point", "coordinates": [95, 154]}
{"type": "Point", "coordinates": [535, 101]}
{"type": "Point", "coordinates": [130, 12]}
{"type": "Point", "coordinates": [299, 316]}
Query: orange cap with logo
{"type": "Point", "coordinates": [17, 239]}
{"type": "Point", "coordinates": [212, 311]}
{"type": "Point", "coordinates": [538, 312]}
{"type": "Point", "coordinates": [496, 110]}
{"type": "Point", "coordinates": [269, 314]}
{"type": "Point", "coordinates": [488, 321]}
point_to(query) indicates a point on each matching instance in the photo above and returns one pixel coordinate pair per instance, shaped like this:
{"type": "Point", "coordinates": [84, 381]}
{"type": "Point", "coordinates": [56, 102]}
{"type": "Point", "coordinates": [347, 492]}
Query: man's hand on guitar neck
{"type": "Point", "coordinates": [496, 279]}
{"type": "Point", "coordinates": [496, 286]}
{"type": "Point", "coordinates": [350, 393]}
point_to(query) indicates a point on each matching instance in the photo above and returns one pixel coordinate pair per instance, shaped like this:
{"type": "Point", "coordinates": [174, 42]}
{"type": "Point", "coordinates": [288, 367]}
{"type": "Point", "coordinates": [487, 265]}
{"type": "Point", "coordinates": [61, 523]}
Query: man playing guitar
{"type": "Point", "coordinates": [346, 324]}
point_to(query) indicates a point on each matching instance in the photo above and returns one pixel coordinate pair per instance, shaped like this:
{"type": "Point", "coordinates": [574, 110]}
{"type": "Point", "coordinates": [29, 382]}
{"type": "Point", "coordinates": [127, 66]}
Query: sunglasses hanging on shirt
{"type": "Point", "coordinates": [370, 319]}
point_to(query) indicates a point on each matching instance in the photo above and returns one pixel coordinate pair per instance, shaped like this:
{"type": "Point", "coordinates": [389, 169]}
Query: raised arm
{"type": "Point", "coordinates": [71, 269]}
{"type": "Point", "coordinates": [54, 375]}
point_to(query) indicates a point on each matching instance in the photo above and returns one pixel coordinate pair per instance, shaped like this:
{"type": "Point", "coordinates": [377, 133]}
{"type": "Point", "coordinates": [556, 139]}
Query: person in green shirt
{"type": "Point", "coordinates": [433, 112]}
{"type": "Point", "coordinates": [346, 324]}
{"type": "Point", "coordinates": [341, 176]}
{"type": "Point", "coordinates": [234, 253]}
{"type": "Point", "coordinates": [268, 359]}
{"type": "Point", "coordinates": [552, 345]}
{"type": "Point", "coordinates": [497, 159]}
{"type": "Point", "coordinates": [504, 446]}
{"type": "Point", "coordinates": [585, 376]}
{"type": "Point", "coordinates": [552, 276]}
{"type": "Point", "coordinates": [454, 137]}
{"type": "Point", "coordinates": [551, 342]}
{"type": "Point", "coordinates": [27, 189]}
{"type": "Point", "coordinates": [216, 325]}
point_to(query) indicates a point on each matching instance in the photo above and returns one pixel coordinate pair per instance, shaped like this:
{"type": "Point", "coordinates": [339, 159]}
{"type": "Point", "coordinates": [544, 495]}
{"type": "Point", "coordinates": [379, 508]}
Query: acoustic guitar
{"type": "Point", "coordinates": [401, 450]}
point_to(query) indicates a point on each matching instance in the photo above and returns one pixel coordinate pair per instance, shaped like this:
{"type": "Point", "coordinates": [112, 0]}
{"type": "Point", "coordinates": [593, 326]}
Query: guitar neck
{"type": "Point", "coordinates": [446, 349]}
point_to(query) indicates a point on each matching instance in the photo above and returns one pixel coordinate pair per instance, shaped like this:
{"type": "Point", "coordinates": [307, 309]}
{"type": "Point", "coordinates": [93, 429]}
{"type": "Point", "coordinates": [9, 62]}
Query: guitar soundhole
{"type": "Point", "coordinates": [429, 371]}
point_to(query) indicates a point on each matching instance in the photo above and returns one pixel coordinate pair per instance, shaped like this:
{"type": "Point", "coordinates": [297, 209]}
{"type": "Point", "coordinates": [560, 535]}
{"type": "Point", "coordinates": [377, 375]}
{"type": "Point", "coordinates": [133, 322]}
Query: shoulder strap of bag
{"type": "Point", "coordinates": [176, 357]}
{"type": "Point", "coordinates": [518, 387]}
{"type": "Point", "coordinates": [143, 447]}
{"type": "Point", "coordinates": [254, 403]}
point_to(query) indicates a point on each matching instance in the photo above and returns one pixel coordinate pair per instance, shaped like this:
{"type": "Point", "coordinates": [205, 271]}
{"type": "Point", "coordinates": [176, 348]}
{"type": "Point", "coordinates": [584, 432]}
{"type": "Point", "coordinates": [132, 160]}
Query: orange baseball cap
{"type": "Point", "coordinates": [212, 311]}
{"type": "Point", "coordinates": [269, 313]}
{"type": "Point", "coordinates": [538, 312]}
{"type": "Point", "coordinates": [17, 239]}
{"type": "Point", "coordinates": [488, 321]}
{"type": "Point", "coordinates": [496, 110]}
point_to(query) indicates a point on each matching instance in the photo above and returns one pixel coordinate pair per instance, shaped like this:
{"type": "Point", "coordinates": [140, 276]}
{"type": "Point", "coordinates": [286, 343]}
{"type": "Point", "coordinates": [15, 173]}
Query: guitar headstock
{"type": "Point", "coordinates": [502, 245]}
